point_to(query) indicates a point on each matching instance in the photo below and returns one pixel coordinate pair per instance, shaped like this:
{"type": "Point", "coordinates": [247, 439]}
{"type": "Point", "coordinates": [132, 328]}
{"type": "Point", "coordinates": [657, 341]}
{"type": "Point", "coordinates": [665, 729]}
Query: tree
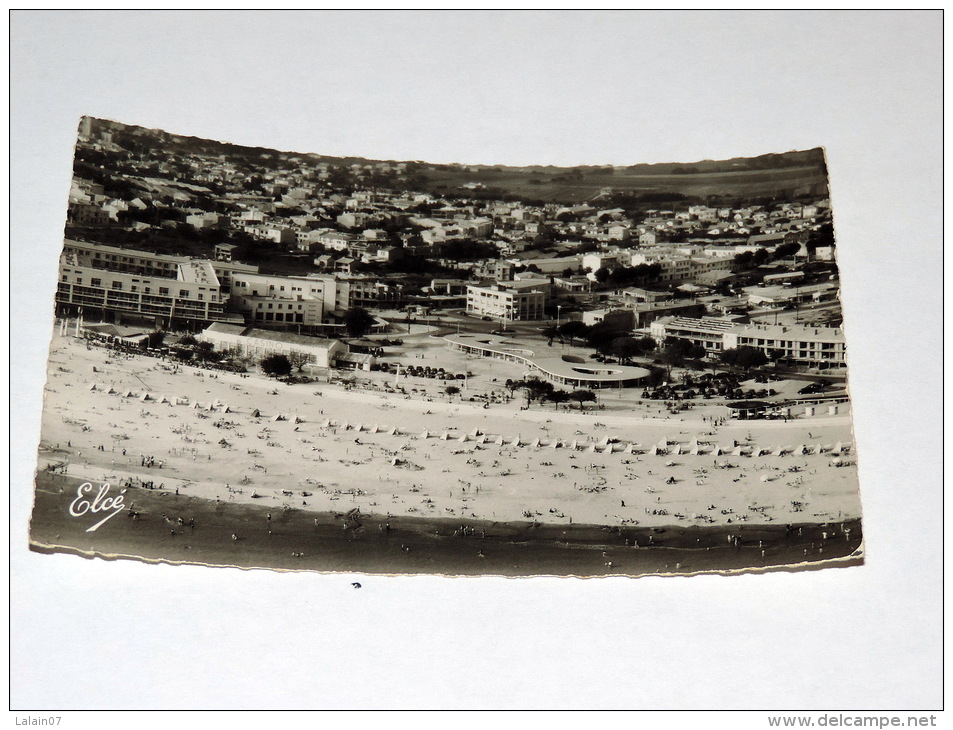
{"type": "Point", "coordinates": [155, 339]}
{"type": "Point", "coordinates": [452, 390]}
{"type": "Point", "coordinates": [744, 357]}
{"type": "Point", "coordinates": [559, 396]}
{"type": "Point", "coordinates": [276, 366]}
{"type": "Point", "coordinates": [625, 348]}
{"type": "Point", "coordinates": [583, 396]}
{"type": "Point", "coordinates": [551, 333]}
{"type": "Point", "coordinates": [298, 360]}
{"type": "Point", "coordinates": [358, 321]}
{"type": "Point", "coordinates": [536, 389]}
{"type": "Point", "coordinates": [573, 329]}
{"type": "Point", "coordinates": [187, 341]}
{"type": "Point", "coordinates": [205, 351]}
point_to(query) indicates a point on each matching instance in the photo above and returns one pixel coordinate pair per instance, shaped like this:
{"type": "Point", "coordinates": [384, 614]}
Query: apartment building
{"type": "Point", "coordinates": [506, 302]}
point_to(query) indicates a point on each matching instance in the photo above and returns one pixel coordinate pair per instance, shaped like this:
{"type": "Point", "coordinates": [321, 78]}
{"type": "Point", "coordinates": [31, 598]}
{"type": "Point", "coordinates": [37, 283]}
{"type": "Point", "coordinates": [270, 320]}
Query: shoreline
{"type": "Point", "coordinates": [293, 539]}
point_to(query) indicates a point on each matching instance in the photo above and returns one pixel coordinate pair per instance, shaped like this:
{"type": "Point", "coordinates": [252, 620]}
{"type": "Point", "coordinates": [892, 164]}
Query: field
{"type": "Point", "coordinates": [548, 187]}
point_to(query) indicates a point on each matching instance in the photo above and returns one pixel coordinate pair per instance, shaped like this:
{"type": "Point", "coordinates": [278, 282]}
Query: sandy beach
{"type": "Point", "coordinates": [136, 419]}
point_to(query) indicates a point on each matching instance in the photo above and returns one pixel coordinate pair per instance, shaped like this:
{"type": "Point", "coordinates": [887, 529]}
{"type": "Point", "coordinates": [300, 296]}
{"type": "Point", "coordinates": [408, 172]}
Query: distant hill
{"type": "Point", "coordinates": [787, 176]}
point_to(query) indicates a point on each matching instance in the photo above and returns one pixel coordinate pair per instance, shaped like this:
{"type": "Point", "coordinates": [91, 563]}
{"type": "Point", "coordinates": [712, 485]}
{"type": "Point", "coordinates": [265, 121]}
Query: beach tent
{"type": "Point", "coordinates": [604, 441]}
{"type": "Point", "coordinates": [607, 449]}
{"type": "Point", "coordinates": [718, 451]}
{"type": "Point", "coordinates": [677, 450]}
{"type": "Point", "coordinates": [481, 439]}
{"type": "Point", "coordinates": [128, 394]}
{"type": "Point", "coordinates": [838, 447]}
{"type": "Point", "coordinates": [92, 386]}
{"type": "Point", "coordinates": [737, 451]}
{"type": "Point", "coordinates": [163, 399]}
{"type": "Point", "coordinates": [515, 441]}
{"type": "Point", "coordinates": [499, 440]}
{"type": "Point", "coordinates": [475, 432]}
{"type": "Point", "coordinates": [373, 429]}
{"type": "Point", "coordinates": [110, 390]}
{"type": "Point", "coordinates": [463, 439]}
{"type": "Point", "coordinates": [800, 450]}
{"type": "Point", "coordinates": [654, 450]}
{"type": "Point", "coordinates": [818, 449]}
{"type": "Point", "coordinates": [425, 434]}
{"type": "Point", "coordinates": [226, 409]}
{"type": "Point", "coordinates": [554, 444]}
{"type": "Point", "coordinates": [196, 405]}
{"type": "Point", "coordinates": [256, 413]}
{"type": "Point", "coordinates": [326, 423]}
{"type": "Point", "coordinates": [297, 420]}
{"type": "Point", "coordinates": [445, 435]}
{"type": "Point", "coordinates": [211, 406]}
{"type": "Point", "coordinates": [762, 452]}
{"type": "Point", "coordinates": [395, 431]}
{"type": "Point", "coordinates": [278, 417]}
{"type": "Point", "coordinates": [696, 449]}
{"type": "Point", "coordinates": [535, 444]}
{"type": "Point", "coordinates": [629, 449]}
{"type": "Point", "coordinates": [779, 451]}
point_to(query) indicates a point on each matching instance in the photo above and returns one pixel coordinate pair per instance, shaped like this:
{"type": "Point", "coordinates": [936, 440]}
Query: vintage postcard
{"type": "Point", "coordinates": [294, 361]}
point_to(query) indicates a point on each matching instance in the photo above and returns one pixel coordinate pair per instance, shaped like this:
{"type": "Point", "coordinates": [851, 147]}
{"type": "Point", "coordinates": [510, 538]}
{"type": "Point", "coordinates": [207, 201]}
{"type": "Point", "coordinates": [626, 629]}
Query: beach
{"type": "Point", "coordinates": [248, 442]}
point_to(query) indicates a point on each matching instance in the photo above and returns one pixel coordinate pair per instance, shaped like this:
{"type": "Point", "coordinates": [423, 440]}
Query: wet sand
{"type": "Point", "coordinates": [293, 539]}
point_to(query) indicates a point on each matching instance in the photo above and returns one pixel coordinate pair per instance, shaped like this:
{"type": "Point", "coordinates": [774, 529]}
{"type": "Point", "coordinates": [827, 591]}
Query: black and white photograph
{"type": "Point", "coordinates": [476, 360]}
{"type": "Point", "coordinates": [286, 360]}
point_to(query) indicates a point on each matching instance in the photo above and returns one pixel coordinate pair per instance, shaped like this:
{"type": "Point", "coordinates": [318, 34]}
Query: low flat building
{"type": "Point", "coordinates": [258, 343]}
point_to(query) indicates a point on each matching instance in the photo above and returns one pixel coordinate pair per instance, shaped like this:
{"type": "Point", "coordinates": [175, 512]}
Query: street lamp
{"type": "Point", "coordinates": [558, 311]}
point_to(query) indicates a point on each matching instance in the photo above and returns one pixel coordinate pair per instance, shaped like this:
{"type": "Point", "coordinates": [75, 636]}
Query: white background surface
{"type": "Point", "coordinates": [503, 87]}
